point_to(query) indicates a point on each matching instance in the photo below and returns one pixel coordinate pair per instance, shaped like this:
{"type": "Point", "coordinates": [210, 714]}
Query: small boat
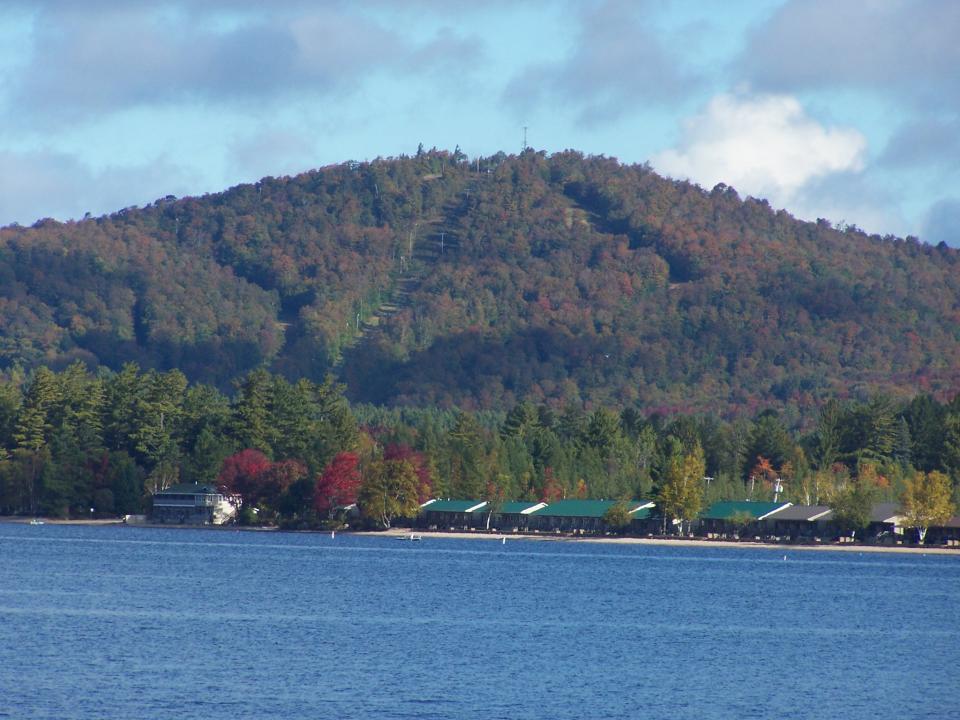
{"type": "Point", "coordinates": [37, 521]}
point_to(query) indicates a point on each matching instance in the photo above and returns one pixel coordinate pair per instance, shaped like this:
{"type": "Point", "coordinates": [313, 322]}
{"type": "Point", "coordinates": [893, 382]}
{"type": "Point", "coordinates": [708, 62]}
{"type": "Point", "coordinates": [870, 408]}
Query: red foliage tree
{"type": "Point", "coordinates": [243, 472]}
{"type": "Point", "coordinates": [551, 490]}
{"type": "Point", "coordinates": [338, 484]}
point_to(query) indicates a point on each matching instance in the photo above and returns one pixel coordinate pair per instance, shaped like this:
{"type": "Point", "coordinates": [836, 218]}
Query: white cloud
{"type": "Point", "coordinates": [273, 151]}
{"type": "Point", "coordinates": [129, 55]}
{"type": "Point", "coordinates": [942, 223]}
{"type": "Point", "coordinates": [40, 184]}
{"type": "Point", "coordinates": [762, 145]}
{"type": "Point", "coordinates": [906, 48]}
{"type": "Point", "coordinates": [863, 199]}
{"type": "Point", "coordinates": [619, 61]}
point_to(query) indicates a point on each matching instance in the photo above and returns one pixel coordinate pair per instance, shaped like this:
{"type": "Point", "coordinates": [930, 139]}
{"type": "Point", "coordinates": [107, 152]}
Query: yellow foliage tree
{"type": "Point", "coordinates": [389, 490]}
{"type": "Point", "coordinates": [681, 496]}
{"type": "Point", "coordinates": [926, 501]}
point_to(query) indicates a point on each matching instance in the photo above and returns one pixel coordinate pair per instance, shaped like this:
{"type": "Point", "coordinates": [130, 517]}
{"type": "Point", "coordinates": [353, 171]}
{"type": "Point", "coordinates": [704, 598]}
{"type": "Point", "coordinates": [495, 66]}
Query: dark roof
{"type": "Point", "coordinates": [461, 506]}
{"type": "Point", "coordinates": [590, 508]}
{"type": "Point", "coordinates": [726, 510]}
{"type": "Point", "coordinates": [189, 489]}
{"type": "Point", "coordinates": [884, 512]}
{"type": "Point", "coordinates": [802, 512]}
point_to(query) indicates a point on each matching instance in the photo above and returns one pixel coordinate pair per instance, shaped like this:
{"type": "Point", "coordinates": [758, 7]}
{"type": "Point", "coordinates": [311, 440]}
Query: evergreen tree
{"type": "Point", "coordinates": [121, 401]}
{"type": "Point", "coordinates": [902, 444]}
{"type": "Point", "coordinates": [951, 444]}
{"type": "Point", "coordinates": [572, 424]}
{"type": "Point", "coordinates": [159, 411]}
{"type": "Point", "coordinates": [204, 407]}
{"type": "Point", "coordinates": [126, 483]}
{"type": "Point", "coordinates": [203, 462]}
{"type": "Point", "coordinates": [34, 425]}
{"type": "Point", "coordinates": [924, 417]}
{"type": "Point", "coordinates": [9, 409]}
{"type": "Point", "coordinates": [881, 431]}
{"type": "Point", "coordinates": [32, 433]}
{"type": "Point", "coordinates": [335, 429]}
{"type": "Point", "coordinates": [522, 419]}
{"type": "Point", "coordinates": [250, 422]}
{"type": "Point", "coordinates": [827, 438]}
{"type": "Point", "coordinates": [685, 429]}
{"type": "Point", "coordinates": [631, 422]}
{"type": "Point", "coordinates": [467, 463]}
{"type": "Point", "coordinates": [769, 439]}
{"type": "Point", "coordinates": [292, 423]}
{"type": "Point", "coordinates": [603, 431]}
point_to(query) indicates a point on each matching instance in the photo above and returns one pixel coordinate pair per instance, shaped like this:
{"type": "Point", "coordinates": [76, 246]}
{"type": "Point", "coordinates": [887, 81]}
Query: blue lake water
{"type": "Point", "coordinates": [122, 622]}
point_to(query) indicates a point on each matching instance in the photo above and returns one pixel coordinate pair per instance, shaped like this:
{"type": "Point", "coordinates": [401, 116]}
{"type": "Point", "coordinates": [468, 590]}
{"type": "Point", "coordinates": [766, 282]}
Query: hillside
{"type": "Point", "coordinates": [564, 279]}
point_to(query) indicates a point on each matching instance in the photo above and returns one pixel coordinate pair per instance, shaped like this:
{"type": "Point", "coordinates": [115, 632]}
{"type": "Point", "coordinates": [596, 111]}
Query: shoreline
{"type": "Point", "coordinates": [661, 542]}
{"type": "Point", "coordinates": [493, 536]}
{"type": "Point", "coordinates": [17, 520]}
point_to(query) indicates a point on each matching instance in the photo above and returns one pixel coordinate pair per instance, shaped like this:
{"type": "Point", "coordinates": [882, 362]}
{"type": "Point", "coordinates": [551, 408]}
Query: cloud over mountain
{"type": "Point", "coordinates": [617, 62]}
{"type": "Point", "coordinates": [907, 47]}
{"type": "Point", "coordinates": [126, 56]}
{"type": "Point", "coordinates": [943, 222]}
{"type": "Point", "coordinates": [29, 178]}
{"type": "Point", "coordinates": [762, 145]}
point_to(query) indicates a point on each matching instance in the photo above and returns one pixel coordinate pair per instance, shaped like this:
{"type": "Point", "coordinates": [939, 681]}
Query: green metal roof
{"type": "Point", "coordinates": [460, 506]}
{"type": "Point", "coordinates": [725, 510]}
{"type": "Point", "coordinates": [590, 508]}
{"type": "Point", "coordinates": [516, 508]}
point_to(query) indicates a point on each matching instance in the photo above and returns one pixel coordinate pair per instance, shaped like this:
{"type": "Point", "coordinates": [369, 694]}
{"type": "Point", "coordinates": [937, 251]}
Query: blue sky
{"type": "Point", "coordinates": [843, 109]}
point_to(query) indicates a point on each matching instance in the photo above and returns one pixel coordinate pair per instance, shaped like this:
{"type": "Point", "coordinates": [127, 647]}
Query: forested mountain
{"type": "Point", "coordinates": [432, 279]}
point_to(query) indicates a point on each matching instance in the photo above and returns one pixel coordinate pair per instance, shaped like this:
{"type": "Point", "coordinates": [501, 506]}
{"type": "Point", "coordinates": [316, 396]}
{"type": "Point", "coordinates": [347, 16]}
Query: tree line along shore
{"type": "Point", "coordinates": [76, 444]}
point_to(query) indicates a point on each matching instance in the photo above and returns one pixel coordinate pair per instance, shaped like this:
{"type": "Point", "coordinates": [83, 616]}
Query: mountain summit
{"type": "Point", "coordinates": [437, 280]}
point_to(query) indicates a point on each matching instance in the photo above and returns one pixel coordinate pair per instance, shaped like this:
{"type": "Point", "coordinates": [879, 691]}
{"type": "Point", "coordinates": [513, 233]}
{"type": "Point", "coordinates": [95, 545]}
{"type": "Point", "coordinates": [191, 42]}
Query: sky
{"type": "Point", "coordinates": [841, 109]}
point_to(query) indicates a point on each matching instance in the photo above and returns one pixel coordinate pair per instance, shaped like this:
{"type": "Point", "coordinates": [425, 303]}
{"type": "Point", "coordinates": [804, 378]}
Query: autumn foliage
{"type": "Point", "coordinates": [562, 278]}
{"type": "Point", "coordinates": [250, 474]}
{"type": "Point", "coordinates": [419, 463]}
{"type": "Point", "coordinates": [338, 484]}
{"type": "Point", "coordinates": [551, 490]}
{"type": "Point", "coordinates": [241, 473]}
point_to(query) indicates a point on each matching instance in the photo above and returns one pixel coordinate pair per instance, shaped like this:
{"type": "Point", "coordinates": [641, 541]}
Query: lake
{"type": "Point", "coordinates": [125, 622]}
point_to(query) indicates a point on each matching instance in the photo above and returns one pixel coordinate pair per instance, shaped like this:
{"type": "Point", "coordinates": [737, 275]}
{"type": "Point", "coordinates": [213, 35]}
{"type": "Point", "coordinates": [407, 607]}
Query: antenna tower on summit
{"type": "Point", "coordinates": [524, 148]}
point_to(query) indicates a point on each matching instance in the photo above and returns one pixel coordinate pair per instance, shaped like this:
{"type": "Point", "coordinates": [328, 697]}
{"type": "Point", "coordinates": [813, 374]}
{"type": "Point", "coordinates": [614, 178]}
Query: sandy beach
{"type": "Point", "coordinates": [544, 537]}
{"type": "Point", "coordinates": [679, 542]}
{"type": "Point", "coordinates": [60, 521]}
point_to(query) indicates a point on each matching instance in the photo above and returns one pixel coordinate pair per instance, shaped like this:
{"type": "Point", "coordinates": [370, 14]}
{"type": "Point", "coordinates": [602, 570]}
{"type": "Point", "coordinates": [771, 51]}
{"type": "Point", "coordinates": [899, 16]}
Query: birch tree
{"type": "Point", "coordinates": [390, 489]}
{"type": "Point", "coordinates": [681, 495]}
{"type": "Point", "coordinates": [926, 501]}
